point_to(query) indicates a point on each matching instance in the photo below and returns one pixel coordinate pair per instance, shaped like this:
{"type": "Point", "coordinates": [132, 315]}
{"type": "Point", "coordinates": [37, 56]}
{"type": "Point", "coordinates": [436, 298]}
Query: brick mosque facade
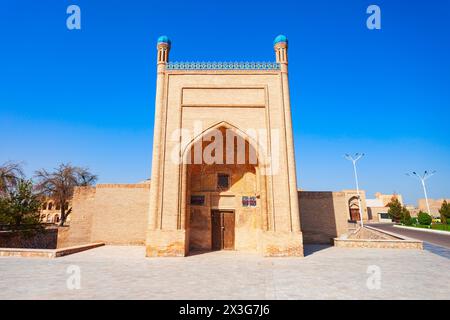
{"type": "Point", "coordinates": [247, 204]}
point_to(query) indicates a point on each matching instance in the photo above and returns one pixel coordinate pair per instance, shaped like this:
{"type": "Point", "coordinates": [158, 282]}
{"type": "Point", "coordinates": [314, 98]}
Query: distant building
{"type": "Point", "coordinates": [413, 210]}
{"type": "Point", "coordinates": [51, 212]}
{"type": "Point", "coordinates": [378, 209]}
{"type": "Point", "coordinates": [435, 205]}
{"type": "Point", "coordinates": [386, 198]}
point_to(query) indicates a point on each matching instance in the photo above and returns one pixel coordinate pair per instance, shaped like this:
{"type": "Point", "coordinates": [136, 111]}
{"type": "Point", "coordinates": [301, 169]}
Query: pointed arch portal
{"type": "Point", "coordinates": [246, 200]}
{"type": "Point", "coordinates": [224, 201]}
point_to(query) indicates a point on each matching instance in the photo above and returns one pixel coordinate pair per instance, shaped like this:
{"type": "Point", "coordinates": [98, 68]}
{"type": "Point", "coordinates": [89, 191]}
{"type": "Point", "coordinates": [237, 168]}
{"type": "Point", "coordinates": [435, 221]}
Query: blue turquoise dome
{"type": "Point", "coordinates": [164, 39]}
{"type": "Point", "coordinates": [280, 38]}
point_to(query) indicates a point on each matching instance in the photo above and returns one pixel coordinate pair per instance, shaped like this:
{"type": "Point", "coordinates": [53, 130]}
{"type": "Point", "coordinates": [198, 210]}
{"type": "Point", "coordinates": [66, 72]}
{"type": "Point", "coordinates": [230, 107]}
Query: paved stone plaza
{"type": "Point", "coordinates": [114, 272]}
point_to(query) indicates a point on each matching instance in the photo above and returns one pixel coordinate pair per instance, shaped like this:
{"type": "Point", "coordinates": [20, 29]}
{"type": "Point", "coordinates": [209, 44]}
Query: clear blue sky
{"type": "Point", "coordinates": [87, 96]}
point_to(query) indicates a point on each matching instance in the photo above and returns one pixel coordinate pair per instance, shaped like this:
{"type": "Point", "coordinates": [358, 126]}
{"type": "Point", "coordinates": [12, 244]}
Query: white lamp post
{"type": "Point", "coordinates": [422, 179]}
{"type": "Point", "coordinates": [354, 160]}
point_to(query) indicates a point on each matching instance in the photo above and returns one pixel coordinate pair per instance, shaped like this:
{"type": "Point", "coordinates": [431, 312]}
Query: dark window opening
{"type": "Point", "coordinates": [223, 181]}
{"type": "Point", "coordinates": [197, 200]}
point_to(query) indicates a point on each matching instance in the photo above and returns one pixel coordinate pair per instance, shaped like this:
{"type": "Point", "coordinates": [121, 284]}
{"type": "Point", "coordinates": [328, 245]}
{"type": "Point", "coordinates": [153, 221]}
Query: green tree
{"type": "Point", "coordinates": [406, 217]}
{"type": "Point", "coordinates": [395, 210]}
{"type": "Point", "coordinates": [20, 205]}
{"type": "Point", "coordinates": [424, 218]}
{"type": "Point", "coordinates": [445, 212]}
{"type": "Point", "coordinates": [60, 184]}
{"type": "Point", "coordinates": [5, 213]}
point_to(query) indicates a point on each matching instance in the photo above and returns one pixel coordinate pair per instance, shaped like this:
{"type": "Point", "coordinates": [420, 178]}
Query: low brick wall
{"type": "Point", "coordinates": [369, 237]}
{"type": "Point", "coordinates": [44, 239]}
{"type": "Point", "coordinates": [46, 253]}
{"type": "Point", "coordinates": [368, 233]}
{"type": "Point", "coordinates": [50, 238]}
{"type": "Point", "coordinates": [381, 244]}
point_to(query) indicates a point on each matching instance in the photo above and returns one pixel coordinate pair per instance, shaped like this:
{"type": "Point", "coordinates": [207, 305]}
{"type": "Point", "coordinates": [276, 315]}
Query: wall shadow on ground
{"type": "Point", "coordinates": [311, 249]}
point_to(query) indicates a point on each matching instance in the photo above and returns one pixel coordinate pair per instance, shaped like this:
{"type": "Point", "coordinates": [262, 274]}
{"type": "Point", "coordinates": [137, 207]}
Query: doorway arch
{"type": "Point", "coordinates": [239, 187]}
{"type": "Point", "coordinates": [354, 209]}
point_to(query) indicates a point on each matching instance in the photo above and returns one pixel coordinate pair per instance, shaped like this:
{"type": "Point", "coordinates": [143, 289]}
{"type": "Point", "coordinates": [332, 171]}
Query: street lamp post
{"type": "Point", "coordinates": [422, 179]}
{"type": "Point", "coordinates": [354, 160]}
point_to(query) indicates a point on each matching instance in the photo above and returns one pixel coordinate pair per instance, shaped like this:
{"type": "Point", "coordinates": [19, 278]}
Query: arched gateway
{"type": "Point", "coordinates": [223, 170]}
{"type": "Point", "coordinates": [225, 196]}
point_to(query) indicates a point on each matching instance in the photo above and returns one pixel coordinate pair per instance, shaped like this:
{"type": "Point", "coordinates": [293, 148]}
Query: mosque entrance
{"type": "Point", "coordinates": [222, 229]}
{"type": "Point", "coordinates": [223, 141]}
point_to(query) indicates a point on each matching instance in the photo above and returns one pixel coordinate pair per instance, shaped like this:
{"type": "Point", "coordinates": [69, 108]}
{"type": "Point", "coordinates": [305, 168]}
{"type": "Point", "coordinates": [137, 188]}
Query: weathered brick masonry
{"type": "Point", "coordinates": [110, 213]}
{"type": "Point", "coordinates": [323, 215]}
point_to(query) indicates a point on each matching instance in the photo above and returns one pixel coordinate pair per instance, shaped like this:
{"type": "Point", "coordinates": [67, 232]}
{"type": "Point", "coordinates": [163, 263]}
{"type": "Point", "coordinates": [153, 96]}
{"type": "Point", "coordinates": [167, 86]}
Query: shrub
{"type": "Point", "coordinates": [406, 217]}
{"type": "Point", "coordinates": [424, 218]}
{"type": "Point", "coordinates": [20, 206]}
{"type": "Point", "coordinates": [398, 212]}
{"type": "Point", "coordinates": [5, 215]}
{"type": "Point", "coordinates": [445, 212]}
{"type": "Point", "coordinates": [395, 210]}
{"type": "Point", "coordinates": [414, 220]}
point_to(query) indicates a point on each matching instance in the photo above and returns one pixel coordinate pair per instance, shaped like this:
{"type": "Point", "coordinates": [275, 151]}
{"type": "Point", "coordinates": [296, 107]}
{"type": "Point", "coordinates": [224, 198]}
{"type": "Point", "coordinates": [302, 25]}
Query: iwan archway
{"type": "Point", "coordinates": [224, 192]}
{"type": "Point", "coordinates": [192, 201]}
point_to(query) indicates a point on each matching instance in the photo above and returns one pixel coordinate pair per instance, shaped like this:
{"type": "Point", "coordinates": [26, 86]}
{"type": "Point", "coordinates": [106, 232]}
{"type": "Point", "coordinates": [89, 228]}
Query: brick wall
{"type": "Point", "coordinates": [121, 213]}
{"type": "Point", "coordinates": [118, 214]}
{"type": "Point", "coordinates": [323, 216]}
{"type": "Point", "coordinates": [110, 213]}
{"type": "Point", "coordinates": [83, 208]}
{"type": "Point", "coordinates": [44, 239]}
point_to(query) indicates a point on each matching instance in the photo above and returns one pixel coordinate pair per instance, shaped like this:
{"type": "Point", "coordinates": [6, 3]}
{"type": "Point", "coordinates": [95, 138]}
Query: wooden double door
{"type": "Point", "coordinates": [222, 229]}
{"type": "Point", "coordinates": [354, 214]}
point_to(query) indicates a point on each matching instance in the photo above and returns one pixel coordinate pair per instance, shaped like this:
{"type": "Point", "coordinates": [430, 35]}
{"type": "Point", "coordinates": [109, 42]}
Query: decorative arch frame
{"type": "Point", "coordinates": [262, 180]}
{"type": "Point", "coordinates": [224, 124]}
{"type": "Point", "coordinates": [350, 201]}
{"type": "Point", "coordinates": [353, 201]}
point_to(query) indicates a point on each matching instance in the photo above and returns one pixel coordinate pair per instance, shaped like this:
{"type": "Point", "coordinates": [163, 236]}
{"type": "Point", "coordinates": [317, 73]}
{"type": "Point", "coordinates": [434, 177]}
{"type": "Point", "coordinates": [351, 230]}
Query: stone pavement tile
{"type": "Point", "coordinates": [114, 272]}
